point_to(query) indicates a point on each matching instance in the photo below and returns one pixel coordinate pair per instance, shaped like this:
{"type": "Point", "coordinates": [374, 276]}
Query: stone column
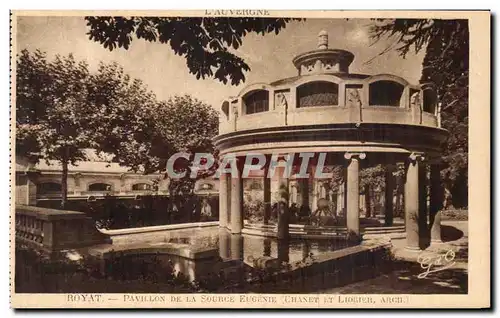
{"type": "Point", "coordinates": [224, 199]}
{"type": "Point", "coordinates": [237, 203]}
{"type": "Point", "coordinates": [411, 201]}
{"type": "Point", "coordinates": [283, 251]}
{"type": "Point", "coordinates": [304, 192]}
{"type": "Point", "coordinates": [423, 231]}
{"type": "Point", "coordinates": [352, 195]}
{"type": "Point", "coordinates": [236, 246]}
{"type": "Point", "coordinates": [389, 195]}
{"type": "Point", "coordinates": [306, 249]}
{"type": "Point", "coordinates": [436, 203]}
{"type": "Point", "coordinates": [223, 244]}
{"type": "Point", "coordinates": [314, 205]}
{"type": "Point", "coordinates": [267, 197]}
{"type": "Point", "coordinates": [267, 247]}
{"type": "Point", "coordinates": [283, 203]}
{"type": "Point", "coordinates": [31, 188]}
{"type": "Point", "coordinates": [293, 191]}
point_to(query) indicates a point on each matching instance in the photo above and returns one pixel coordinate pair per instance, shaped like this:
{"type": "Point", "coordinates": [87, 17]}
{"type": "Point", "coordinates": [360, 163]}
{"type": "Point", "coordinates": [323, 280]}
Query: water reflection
{"type": "Point", "coordinates": [208, 252]}
{"type": "Point", "coordinates": [251, 248]}
{"type": "Point", "coordinates": [236, 246]}
{"type": "Point", "coordinates": [267, 247]}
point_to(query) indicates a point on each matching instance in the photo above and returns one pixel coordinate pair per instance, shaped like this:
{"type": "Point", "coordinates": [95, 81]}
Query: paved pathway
{"type": "Point", "coordinates": [408, 275]}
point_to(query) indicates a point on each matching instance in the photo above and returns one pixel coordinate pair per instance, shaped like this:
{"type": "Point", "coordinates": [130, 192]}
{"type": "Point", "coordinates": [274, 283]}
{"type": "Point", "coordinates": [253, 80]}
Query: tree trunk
{"type": "Point", "coordinates": [368, 211]}
{"type": "Point", "coordinates": [64, 183]}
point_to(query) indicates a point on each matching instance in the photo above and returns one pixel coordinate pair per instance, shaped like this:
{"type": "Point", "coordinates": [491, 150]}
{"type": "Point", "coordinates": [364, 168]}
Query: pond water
{"type": "Point", "coordinates": [204, 260]}
{"type": "Point", "coordinates": [229, 246]}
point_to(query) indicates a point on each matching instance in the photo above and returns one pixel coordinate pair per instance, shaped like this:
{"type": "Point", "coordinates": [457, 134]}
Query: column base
{"type": "Point", "coordinates": [436, 242]}
{"type": "Point", "coordinates": [413, 248]}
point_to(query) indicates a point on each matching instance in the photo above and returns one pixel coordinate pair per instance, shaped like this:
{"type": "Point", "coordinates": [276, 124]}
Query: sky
{"type": "Point", "coordinates": [269, 57]}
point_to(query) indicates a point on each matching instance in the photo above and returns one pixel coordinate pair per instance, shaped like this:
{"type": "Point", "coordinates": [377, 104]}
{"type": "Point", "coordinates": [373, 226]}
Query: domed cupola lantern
{"type": "Point", "coordinates": [350, 120]}
{"type": "Point", "coordinates": [323, 60]}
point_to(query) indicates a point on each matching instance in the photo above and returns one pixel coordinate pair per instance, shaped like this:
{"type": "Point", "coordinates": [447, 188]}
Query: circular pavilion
{"type": "Point", "coordinates": [356, 119]}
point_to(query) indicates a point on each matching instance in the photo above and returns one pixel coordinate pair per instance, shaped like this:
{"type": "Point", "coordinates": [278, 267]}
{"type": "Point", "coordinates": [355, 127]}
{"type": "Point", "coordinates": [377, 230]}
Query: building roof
{"type": "Point", "coordinates": [343, 76]}
{"type": "Point", "coordinates": [96, 163]}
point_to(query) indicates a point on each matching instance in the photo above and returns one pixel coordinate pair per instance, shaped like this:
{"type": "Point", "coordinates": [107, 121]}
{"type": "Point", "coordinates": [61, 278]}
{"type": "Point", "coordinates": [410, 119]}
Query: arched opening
{"type": "Point", "coordinates": [141, 187]}
{"type": "Point", "coordinates": [225, 109]}
{"type": "Point", "coordinates": [317, 94]}
{"type": "Point", "coordinates": [430, 101]}
{"type": "Point", "coordinates": [385, 93]}
{"type": "Point", "coordinates": [100, 187]}
{"type": "Point", "coordinates": [48, 188]}
{"type": "Point", "coordinates": [256, 102]}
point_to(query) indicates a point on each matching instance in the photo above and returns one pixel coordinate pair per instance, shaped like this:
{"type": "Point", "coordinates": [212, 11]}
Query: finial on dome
{"type": "Point", "coordinates": [323, 40]}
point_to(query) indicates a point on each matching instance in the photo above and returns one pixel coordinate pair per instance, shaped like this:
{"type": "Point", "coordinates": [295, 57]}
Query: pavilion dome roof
{"type": "Point", "coordinates": [323, 60]}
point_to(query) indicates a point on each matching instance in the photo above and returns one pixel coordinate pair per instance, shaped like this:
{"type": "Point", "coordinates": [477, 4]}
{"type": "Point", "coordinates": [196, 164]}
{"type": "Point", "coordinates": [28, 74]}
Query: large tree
{"type": "Point", "coordinates": [446, 68]}
{"type": "Point", "coordinates": [51, 112]}
{"type": "Point", "coordinates": [62, 109]}
{"type": "Point", "coordinates": [143, 134]}
{"type": "Point", "coordinates": [206, 43]}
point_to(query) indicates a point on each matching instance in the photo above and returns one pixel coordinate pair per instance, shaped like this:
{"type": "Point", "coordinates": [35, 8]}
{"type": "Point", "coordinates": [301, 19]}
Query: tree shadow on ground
{"type": "Point", "coordinates": [404, 278]}
{"type": "Point", "coordinates": [450, 233]}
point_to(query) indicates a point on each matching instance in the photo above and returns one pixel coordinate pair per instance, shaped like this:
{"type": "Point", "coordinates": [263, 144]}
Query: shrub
{"type": "Point", "coordinates": [254, 210]}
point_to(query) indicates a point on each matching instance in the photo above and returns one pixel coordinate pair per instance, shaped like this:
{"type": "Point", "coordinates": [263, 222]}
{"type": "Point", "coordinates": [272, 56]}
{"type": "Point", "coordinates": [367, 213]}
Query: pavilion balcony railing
{"type": "Point", "coordinates": [406, 113]}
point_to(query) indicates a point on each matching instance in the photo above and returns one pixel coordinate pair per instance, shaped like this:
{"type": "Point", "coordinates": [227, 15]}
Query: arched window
{"type": "Point", "coordinates": [385, 93]}
{"type": "Point", "coordinates": [100, 187]}
{"type": "Point", "coordinates": [256, 102]}
{"type": "Point", "coordinates": [48, 187]}
{"type": "Point", "coordinates": [225, 109]}
{"type": "Point", "coordinates": [317, 94]}
{"type": "Point", "coordinates": [430, 101]}
{"type": "Point", "coordinates": [141, 187]}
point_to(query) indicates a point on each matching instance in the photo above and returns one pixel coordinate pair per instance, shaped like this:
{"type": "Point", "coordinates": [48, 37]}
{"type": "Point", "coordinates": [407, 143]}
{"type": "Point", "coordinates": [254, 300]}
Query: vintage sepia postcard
{"type": "Point", "coordinates": [250, 159]}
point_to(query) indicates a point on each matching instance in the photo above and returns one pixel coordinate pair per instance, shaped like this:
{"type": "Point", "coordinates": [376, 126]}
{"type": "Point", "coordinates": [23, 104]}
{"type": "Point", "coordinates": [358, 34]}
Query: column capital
{"type": "Point", "coordinates": [417, 156]}
{"type": "Point", "coordinates": [358, 155]}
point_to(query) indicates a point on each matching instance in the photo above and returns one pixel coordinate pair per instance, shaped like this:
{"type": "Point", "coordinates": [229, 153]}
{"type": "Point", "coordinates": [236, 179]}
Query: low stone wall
{"type": "Point", "coordinates": [53, 230]}
{"type": "Point", "coordinates": [158, 228]}
{"type": "Point", "coordinates": [310, 231]}
{"type": "Point", "coordinates": [330, 269]}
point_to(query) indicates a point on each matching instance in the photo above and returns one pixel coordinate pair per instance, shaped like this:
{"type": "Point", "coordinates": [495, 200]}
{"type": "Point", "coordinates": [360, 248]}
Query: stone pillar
{"type": "Point", "coordinates": [224, 199]}
{"type": "Point", "coordinates": [341, 200]}
{"type": "Point", "coordinates": [236, 246]}
{"type": "Point", "coordinates": [304, 192]}
{"type": "Point", "coordinates": [237, 203]}
{"type": "Point", "coordinates": [293, 191]}
{"type": "Point", "coordinates": [389, 195]}
{"type": "Point", "coordinates": [353, 193]}
{"type": "Point", "coordinates": [31, 188]}
{"type": "Point", "coordinates": [267, 197]}
{"type": "Point", "coordinates": [223, 244]}
{"type": "Point", "coordinates": [283, 203]}
{"type": "Point", "coordinates": [411, 201]}
{"type": "Point", "coordinates": [314, 204]}
{"type": "Point", "coordinates": [423, 231]}
{"type": "Point", "coordinates": [267, 247]}
{"type": "Point", "coordinates": [283, 251]}
{"type": "Point", "coordinates": [436, 203]}
{"type": "Point", "coordinates": [305, 249]}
